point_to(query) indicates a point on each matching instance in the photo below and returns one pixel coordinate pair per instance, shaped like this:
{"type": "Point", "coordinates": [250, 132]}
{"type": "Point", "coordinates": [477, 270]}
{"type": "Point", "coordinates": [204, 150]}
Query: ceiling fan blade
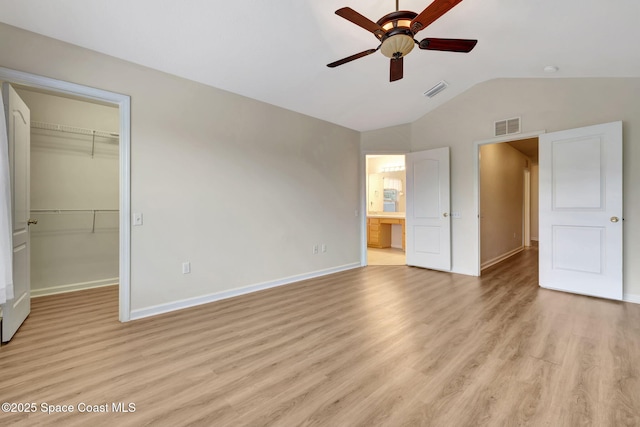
{"type": "Point", "coordinates": [448, 45]}
{"type": "Point", "coordinates": [360, 20]}
{"type": "Point", "coordinates": [351, 58]}
{"type": "Point", "coordinates": [434, 11]}
{"type": "Point", "coordinates": [396, 69]}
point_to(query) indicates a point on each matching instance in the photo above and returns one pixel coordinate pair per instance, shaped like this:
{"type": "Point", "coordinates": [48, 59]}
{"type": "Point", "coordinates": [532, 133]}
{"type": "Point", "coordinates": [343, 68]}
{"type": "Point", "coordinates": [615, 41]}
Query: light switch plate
{"type": "Point", "coordinates": [137, 218]}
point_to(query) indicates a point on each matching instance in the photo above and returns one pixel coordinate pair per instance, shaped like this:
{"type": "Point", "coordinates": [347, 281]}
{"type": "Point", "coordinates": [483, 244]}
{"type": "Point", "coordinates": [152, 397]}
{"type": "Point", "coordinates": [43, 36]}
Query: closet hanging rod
{"type": "Point", "coordinates": [74, 129]}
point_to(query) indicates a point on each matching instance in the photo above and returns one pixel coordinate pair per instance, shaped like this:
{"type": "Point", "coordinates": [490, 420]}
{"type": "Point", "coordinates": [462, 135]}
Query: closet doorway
{"type": "Point", "coordinates": [74, 193]}
{"type": "Point", "coordinates": [122, 105]}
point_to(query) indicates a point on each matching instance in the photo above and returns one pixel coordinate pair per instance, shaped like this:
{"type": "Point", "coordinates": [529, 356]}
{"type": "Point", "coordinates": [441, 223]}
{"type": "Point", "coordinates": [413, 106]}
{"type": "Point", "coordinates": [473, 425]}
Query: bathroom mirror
{"type": "Point", "coordinates": [386, 182]}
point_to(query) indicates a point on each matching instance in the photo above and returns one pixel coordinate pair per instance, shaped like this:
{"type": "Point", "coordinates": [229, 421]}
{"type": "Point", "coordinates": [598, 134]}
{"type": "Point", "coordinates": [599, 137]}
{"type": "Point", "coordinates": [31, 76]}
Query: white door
{"type": "Point", "coordinates": [17, 113]}
{"type": "Point", "coordinates": [428, 223]}
{"type": "Point", "coordinates": [581, 210]}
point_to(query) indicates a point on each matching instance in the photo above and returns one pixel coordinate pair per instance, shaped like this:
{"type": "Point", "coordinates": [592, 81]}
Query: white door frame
{"type": "Point", "coordinates": [123, 102]}
{"type": "Point", "coordinates": [476, 179]}
{"type": "Point", "coordinates": [363, 196]}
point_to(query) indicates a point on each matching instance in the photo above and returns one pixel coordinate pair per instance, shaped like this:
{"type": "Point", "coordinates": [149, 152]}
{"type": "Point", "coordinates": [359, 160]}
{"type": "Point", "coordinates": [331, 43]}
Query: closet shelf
{"type": "Point", "coordinates": [74, 129]}
{"type": "Point", "coordinates": [93, 133]}
{"type": "Point", "coordinates": [91, 211]}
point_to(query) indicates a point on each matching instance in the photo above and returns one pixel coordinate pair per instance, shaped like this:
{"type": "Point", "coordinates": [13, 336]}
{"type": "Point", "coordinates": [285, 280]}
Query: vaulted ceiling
{"type": "Point", "coordinates": [276, 51]}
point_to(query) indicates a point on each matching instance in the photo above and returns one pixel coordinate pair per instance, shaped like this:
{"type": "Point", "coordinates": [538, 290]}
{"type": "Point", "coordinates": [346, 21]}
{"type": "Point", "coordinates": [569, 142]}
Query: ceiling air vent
{"type": "Point", "coordinates": [506, 126]}
{"type": "Point", "coordinates": [439, 87]}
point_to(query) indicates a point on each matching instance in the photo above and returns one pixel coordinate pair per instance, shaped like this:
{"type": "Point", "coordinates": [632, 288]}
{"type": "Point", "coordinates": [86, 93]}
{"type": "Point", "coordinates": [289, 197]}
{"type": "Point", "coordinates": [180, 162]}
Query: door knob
{"type": "Point", "coordinates": [614, 219]}
{"type": "Point", "coordinates": [32, 221]}
{"type": "Point", "coordinates": [445, 214]}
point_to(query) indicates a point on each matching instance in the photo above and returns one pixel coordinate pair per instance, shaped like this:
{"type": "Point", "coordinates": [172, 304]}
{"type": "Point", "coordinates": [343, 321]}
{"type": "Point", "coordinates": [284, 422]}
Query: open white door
{"type": "Point", "coordinates": [428, 223]}
{"type": "Point", "coordinates": [17, 113]}
{"type": "Point", "coordinates": [581, 210]}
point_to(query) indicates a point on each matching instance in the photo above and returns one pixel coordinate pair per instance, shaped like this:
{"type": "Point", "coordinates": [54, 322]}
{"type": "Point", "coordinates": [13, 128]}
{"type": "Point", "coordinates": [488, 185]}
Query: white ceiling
{"type": "Point", "coordinates": [276, 51]}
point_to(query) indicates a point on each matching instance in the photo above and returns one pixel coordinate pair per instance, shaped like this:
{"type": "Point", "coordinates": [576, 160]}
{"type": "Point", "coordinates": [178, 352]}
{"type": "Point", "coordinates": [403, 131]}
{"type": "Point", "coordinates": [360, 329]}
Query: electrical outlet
{"type": "Point", "coordinates": [323, 248]}
{"type": "Point", "coordinates": [315, 249]}
{"type": "Point", "coordinates": [186, 267]}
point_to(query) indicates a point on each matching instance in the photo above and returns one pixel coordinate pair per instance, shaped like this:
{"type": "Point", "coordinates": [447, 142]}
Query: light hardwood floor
{"type": "Point", "coordinates": [381, 345]}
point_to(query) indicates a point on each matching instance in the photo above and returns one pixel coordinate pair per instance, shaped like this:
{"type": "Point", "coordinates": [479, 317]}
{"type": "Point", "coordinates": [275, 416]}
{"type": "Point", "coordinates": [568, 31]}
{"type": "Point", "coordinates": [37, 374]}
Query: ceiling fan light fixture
{"type": "Point", "coordinates": [397, 46]}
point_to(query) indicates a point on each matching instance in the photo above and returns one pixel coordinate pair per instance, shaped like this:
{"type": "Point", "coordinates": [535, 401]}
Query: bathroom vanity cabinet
{"type": "Point", "coordinates": [379, 231]}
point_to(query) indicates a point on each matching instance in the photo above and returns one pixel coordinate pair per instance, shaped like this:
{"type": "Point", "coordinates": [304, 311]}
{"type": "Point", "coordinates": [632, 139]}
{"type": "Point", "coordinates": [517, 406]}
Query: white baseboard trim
{"type": "Point", "coordinates": [634, 298]}
{"type": "Point", "coordinates": [205, 299]}
{"type": "Point", "coordinates": [60, 289]}
{"type": "Point", "coordinates": [500, 258]}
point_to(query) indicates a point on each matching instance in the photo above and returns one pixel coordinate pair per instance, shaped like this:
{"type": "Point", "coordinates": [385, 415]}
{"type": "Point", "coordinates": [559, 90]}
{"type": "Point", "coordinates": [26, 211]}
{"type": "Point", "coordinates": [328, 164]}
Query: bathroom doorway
{"type": "Point", "coordinates": [385, 202]}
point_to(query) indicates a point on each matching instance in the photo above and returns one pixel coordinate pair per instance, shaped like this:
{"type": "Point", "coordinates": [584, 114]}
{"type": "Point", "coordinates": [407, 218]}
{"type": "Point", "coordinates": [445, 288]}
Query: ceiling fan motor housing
{"type": "Point", "coordinates": [397, 40]}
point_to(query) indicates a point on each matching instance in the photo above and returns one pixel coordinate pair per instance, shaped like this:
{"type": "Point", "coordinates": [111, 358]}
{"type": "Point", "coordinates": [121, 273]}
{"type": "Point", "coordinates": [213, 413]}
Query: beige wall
{"type": "Point", "coordinates": [66, 251]}
{"type": "Point", "coordinates": [501, 201]}
{"type": "Point", "coordinates": [240, 188]}
{"type": "Point", "coordinates": [535, 177]}
{"type": "Point", "coordinates": [396, 139]}
{"type": "Point", "coordinates": [543, 104]}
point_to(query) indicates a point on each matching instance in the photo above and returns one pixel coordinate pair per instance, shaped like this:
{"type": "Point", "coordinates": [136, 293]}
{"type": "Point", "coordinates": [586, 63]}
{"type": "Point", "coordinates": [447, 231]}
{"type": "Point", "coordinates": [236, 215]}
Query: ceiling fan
{"type": "Point", "coordinates": [396, 30]}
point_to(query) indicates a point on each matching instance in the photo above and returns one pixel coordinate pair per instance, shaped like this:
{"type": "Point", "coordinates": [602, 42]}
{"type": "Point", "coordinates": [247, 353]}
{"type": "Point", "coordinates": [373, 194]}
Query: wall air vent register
{"type": "Point", "coordinates": [506, 126]}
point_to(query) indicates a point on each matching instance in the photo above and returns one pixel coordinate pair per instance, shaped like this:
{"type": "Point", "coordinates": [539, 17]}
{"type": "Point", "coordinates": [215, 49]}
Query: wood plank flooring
{"type": "Point", "coordinates": [377, 346]}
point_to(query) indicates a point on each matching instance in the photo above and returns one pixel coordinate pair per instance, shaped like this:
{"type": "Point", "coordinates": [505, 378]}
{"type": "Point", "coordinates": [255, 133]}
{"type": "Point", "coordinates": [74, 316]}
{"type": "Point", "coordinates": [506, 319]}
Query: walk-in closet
{"type": "Point", "coordinates": [74, 193]}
